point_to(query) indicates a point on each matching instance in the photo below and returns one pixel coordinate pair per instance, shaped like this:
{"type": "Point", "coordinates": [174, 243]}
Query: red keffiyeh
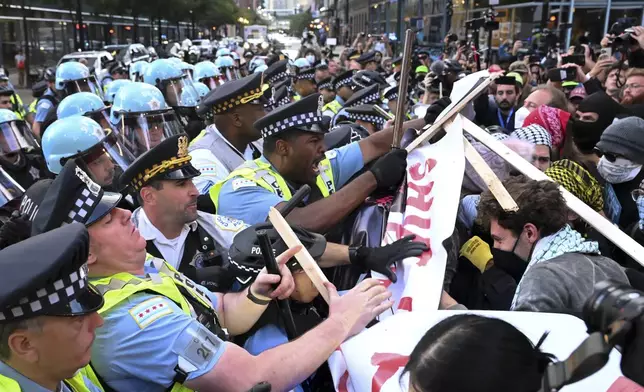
{"type": "Point", "coordinates": [553, 120]}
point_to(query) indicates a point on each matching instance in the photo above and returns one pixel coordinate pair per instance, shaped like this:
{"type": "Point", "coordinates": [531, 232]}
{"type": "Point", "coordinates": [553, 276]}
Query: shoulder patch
{"type": "Point", "coordinates": [229, 224]}
{"type": "Point", "coordinates": [150, 310]}
{"type": "Point", "coordinates": [331, 154]}
{"type": "Point", "coordinates": [242, 183]}
{"type": "Point", "coordinates": [44, 104]}
{"type": "Point", "coordinates": [206, 187]}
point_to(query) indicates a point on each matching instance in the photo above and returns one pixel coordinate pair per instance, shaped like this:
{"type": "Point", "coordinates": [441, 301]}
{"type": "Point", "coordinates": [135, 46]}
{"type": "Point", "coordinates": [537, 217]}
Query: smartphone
{"type": "Point", "coordinates": [562, 74]}
{"type": "Point", "coordinates": [607, 51]}
{"type": "Point", "coordinates": [578, 59]}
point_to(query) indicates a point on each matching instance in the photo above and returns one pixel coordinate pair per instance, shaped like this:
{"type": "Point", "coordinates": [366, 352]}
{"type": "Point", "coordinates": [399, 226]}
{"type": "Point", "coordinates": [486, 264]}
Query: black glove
{"type": "Point", "coordinates": [390, 168]}
{"type": "Point", "coordinates": [435, 109]}
{"type": "Point", "coordinates": [381, 259]}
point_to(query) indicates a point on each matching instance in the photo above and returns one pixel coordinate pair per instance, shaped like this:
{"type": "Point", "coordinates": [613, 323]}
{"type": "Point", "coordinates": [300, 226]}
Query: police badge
{"type": "Point", "coordinates": [182, 146]}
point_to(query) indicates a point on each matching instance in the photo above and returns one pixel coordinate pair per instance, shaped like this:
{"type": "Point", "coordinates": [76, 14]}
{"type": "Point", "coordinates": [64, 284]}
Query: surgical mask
{"type": "Point", "coordinates": [617, 172]}
{"type": "Point", "coordinates": [519, 117]}
{"type": "Point", "coordinates": [310, 59]}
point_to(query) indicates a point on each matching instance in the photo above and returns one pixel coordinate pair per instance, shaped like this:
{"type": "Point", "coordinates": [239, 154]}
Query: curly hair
{"type": "Point", "coordinates": [540, 203]}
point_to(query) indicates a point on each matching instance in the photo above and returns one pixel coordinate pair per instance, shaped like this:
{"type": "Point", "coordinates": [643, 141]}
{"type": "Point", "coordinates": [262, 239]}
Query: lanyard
{"type": "Point", "coordinates": [501, 122]}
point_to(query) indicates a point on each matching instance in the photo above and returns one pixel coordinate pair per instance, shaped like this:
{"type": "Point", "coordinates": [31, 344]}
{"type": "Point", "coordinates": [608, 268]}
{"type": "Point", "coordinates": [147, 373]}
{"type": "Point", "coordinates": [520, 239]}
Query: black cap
{"type": "Point", "coordinates": [73, 197]}
{"type": "Point", "coordinates": [305, 74]}
{"type": "Point", "coordinates": [367, 96]}
{"type": "Point", "coordinates": [506, 81]}
{"type": "Point", "coordinates": [325, 83]}
{"type": "Point", "coordinates": [353, 54]}
{"type": "Point", "coordinates": [279, 98]}
{"type": "Point", "coordinates": [33, 197]}
{"type": "Point", "coordinates": [6, 90]}
{"type": "Point", "coordinates": [364, 79]}
{"type": "Point", "coordinates": [169, 160]}
{"type": "Point", "coordinates": [367, 57]}
{"type": "Point", "coordinates": [47, 275]}
{"type": "Point", "coordinates": [322, 66]}
{"type": "Point", "coordinates": [276, 72]}
{"type": "Point", "coordinates": [247, 90]}
{"type": "Point", "coordinates": [397, 60]}
{"type": "Point", "coordinates": [390, 93]}
{"type": "Point", "coordinates": [344, 79]}
{"type": "Point", "coordinates": [366, 113]}
{"type": "Point", "coordinates": [305, 115]}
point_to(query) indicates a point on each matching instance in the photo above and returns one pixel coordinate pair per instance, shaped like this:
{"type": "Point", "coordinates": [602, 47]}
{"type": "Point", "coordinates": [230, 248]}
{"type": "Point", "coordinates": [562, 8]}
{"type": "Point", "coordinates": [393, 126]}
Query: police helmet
{"type": "Point", "coordinates": [261, 68]}
{"type": "Point", "coordinates": [202, 89]}
{"type": "Point", "coordinates": [79, 104]}
{"type": "Point", "coordinates": [114, 87]}
{"type": "Point", "coordinates": [207, 73]}
{"type": "Point", "coordinates": [222, 52]}
{"type": "Point", "coordinates": [137, 70]}
{"type": "Point", "coordinates": [73, 77]}
{"type": "Point", "coordinates": [175, 86]}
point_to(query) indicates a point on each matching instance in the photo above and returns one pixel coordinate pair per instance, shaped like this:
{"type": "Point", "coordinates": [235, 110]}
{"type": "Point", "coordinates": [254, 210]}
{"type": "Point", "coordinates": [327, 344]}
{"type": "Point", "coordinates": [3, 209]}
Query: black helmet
{"type": "Point", "coordinates": [246, 259]}
{"type": "Point", "coordinates": [343, 134]}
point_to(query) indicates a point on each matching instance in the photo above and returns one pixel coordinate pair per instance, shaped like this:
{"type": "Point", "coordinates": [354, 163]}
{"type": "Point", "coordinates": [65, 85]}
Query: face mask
{"type": "Point", "coordinates": [620, 171]}
{"type": "Point", "coordinates": [509, 261]}
{"type": "Point", "coordinates": [519, 117]}
{"type": "Point", "coordinates": [310, 59]}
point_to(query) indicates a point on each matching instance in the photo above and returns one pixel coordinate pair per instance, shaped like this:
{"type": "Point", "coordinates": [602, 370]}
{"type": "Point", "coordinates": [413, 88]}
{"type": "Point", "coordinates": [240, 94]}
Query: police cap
{"type": "Point", "coordinates": [366, 113]}
{"type": "Point", "coordinates": [47, 275]}
{"type": "Point", "coordinates": [367, 96]}
{"type": "Point", "coordinates": [247, 90]}
{"type": "Point", "coordinates": [304, 115]}
{"type": "Point", "coordinates": [169, 160]}
{"type": "Point", "coordinates": [325, 84]}
{"type": "Point", "coordinates": [276, 72]}
{"type": "Point", "coordinates": [367, 58]}
{"type": "Point", "coordinates": [345, 79]}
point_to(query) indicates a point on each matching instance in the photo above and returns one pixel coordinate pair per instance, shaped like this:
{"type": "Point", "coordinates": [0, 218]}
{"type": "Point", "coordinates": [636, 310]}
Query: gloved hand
{"type": "Point", "coordinates": [16, 229]}
{"type": "Point", "coordinates": [477, 252]}
{"type": "Point", "coordinates": [381, 259]}
{"type": "Point", "coordinates": [435, 109]}
{"type": "Point", "coordinates": [390, 168]}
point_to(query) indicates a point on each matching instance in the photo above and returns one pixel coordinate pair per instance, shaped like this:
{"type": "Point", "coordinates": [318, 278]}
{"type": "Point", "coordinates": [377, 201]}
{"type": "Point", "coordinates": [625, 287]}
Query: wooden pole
{"type": "Point", "coordinates": [402, 89]}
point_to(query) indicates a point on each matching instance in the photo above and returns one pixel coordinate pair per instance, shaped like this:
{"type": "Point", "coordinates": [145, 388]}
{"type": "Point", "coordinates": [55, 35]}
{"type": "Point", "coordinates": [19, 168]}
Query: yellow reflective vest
{"type": "Point", "coordinates": [18, 107]}
{"type": "Point", "coordinates": [76, 383]}
{"type": "Point", "coordinates": [333, 106]}
{"type": "Point", "coordinates": [170, 284]}
{"type": "Point", "coordinates": [262, 173]}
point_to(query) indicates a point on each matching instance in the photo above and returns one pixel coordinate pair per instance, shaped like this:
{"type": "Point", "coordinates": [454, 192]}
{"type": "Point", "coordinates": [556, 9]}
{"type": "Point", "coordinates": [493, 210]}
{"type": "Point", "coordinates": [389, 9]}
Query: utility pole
{"type": "Point", "coordinates": [26, 43]}
{"type": "Point", "coordinates": [79, 19]}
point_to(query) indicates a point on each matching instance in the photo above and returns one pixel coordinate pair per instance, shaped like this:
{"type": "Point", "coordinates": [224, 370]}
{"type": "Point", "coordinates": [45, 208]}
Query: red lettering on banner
{"type": "Point", "coordinates": [414, 171]}
{"type": "Point", "coordinates": [405, 304]}
{"type": "Point", "coordinates": [342, 383]}
{"type": "Point", "coordinates": [388, 364]}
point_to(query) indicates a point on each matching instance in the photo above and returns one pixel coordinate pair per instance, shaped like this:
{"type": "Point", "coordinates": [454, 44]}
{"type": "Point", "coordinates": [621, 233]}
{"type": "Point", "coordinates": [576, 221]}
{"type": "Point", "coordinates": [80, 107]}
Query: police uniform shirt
{"type": "Point", "coordinates": [26, 385]}
{"type": "Point", "coordinates": [213, 166]}
{"type": "Point", "coordinates": [140, 354]}
{"type": "Point", "coordinates": [250, 202]}
{"type": "Point", "coordinates": [329, 112]}
{"type": "Point", "coordinates": [221, 229]}
{"type": "Point", "coordinates": [44, 106]}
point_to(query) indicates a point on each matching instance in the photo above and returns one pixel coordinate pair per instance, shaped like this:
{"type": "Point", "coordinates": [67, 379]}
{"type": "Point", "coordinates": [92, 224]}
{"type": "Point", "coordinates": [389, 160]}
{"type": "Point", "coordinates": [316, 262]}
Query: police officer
{"type": "Point", "coordinates": [16, 102]}
{"type": "Point", "coordinates": [294, 154]}
{"type": "Point", "coordinates": [86, 104]}
{"type": "Point", "coordinates": [207, 73]}
{"type": "Point", "coordinates": [164, 331]}
{"type": "Point", "coordinates": [103, 154]}
{"type": "Point", "coordinates": [227, 68]}
{"type": "Point", "coordinates": [304, 79]}
{"type": "Point", "coordinates": [343, 87]}
{"type": "Point", "coordinates": [19, 151]}
{"type": "Point", "coordinates": [48, 100]}
{"type": "Point", "coordinates": [137, 69]}
{"type": "Point", "coordinates": [368, 61]}
{"type": "Point", "coordinates": [47, 339]}
{"type": "Point", "coordinates": [191, 241]}
{"type": "Point", "coordinates": [325, 87]}
{"type": "Point", "coordinates": [231, 139]}
{"type": "Point", "coordinates": [113, 88]}
{"type": "Point", "coordinates": [178, 91]}
{"type": "Point", "coordinates": [276, 73]}
{"type": "Point", "coordinates": [5, 98]}
{"type": "Point", "coordinates": [367, 117]}
{"type": "Point", "coordinates": [116, 71]}
{"type": "Point", "coordinates": [365, 96]}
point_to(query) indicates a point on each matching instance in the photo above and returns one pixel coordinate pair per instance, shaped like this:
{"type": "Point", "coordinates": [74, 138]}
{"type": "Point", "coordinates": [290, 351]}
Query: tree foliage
{"type": "Point", "coordinates": [300, 22]}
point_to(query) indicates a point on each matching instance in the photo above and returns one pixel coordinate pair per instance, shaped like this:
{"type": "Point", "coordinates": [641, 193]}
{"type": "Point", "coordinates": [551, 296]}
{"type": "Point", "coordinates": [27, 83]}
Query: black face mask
{"type": "Point", "coordinates": [585, 135]}
{"type": "Point", "coordinates": [509, 262]}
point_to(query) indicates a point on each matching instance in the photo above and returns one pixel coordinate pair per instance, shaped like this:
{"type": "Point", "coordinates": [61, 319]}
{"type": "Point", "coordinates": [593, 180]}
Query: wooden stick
{"type": "Point", "coordinates": [489, 177]}
{"type": "Point", "coordinates": [430, 130]}
{"type": "Point", "coordinates": [603, 225]}
{"type": "Point", "coordinates": [305, 259]}
{"type": "Point", "coordinates": [402, 89]}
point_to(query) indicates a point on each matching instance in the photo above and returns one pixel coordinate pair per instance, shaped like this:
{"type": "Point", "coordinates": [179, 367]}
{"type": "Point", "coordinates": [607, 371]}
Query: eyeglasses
{"type": "Point", "coordinates": [632, 86]}
{"type": "Point", "coordinates": [540, 159]}
{"type": "Point", "coordinates": [635, 194]}
{"type": "Point", "coordinates": [610, 157]}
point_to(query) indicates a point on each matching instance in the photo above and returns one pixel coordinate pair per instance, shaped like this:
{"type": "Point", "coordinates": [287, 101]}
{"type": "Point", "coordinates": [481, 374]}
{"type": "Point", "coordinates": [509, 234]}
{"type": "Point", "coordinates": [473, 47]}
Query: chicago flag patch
{"type": "Point", "coordinates": [150, 310]}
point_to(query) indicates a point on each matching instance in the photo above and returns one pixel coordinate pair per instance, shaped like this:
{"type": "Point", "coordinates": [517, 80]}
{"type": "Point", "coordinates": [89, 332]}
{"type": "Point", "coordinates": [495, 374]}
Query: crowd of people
{"type": "Point", "coordinates": [131, 207]}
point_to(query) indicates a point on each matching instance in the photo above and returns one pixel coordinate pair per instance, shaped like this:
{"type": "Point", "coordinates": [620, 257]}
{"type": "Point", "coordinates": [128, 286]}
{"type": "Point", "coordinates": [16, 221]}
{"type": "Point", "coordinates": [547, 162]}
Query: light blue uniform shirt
{"type": "Point", "coordinates": [251, 203]}
{"type": "Point", "coordinates": [26, 385]}
{"type": "Point", "coordinates": [43, 107]}
{"type": "Point", "coordinates": [142, 338]}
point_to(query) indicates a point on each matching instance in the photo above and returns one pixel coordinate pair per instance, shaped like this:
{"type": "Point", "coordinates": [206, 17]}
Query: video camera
{"type": "Point", "coordinates": [614, 315]}
{"type": "Point", "coordinates": [487, 21]}
{"type": "Point", "coordinates": [623, 35]}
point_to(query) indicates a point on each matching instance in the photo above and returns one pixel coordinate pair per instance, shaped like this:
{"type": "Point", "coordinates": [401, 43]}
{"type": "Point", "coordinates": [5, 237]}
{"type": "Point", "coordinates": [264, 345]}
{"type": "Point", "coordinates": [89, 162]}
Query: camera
{"type": "Point", "coordinates": [614, 315]}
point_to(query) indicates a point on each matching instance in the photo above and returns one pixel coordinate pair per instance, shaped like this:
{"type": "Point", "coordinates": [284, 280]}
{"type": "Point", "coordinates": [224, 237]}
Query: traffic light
{"type": "Point", "coordinates": [449, 8]}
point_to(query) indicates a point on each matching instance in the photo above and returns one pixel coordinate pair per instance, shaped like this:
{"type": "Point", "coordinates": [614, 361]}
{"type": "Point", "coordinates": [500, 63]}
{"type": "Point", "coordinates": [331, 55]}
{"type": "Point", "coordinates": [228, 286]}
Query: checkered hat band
{"type": "Point", "coordinates": [535, 134]}
{"type": "Point", "coordinates": [368, 100]}
{"type": "Point", "coordinates": [277, 77]}
{"type": "Point", "coordinates": [292, 122]}
{"type": "Point", "coordinates": [284, 101]}
{"type": "Point", "coordinates": [343, 82]}
{"type": "Point", "coordinates": [392, 96]}
{"type": "Point", "coordinates": [305, 76]}
{"type": "Point", "coordinates": [367, 117]}
{"type": "Point", "coordinates": [83, 206]}
{"type": "Point", "coordinates": [53, 294]}
{"type": "Point", "coordinates": [326, 85]}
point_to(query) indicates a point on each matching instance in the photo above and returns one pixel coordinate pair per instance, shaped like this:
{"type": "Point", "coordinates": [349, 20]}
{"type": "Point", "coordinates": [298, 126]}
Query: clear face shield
{"type": "Point", "coordinates": [15, 136]}
{"type": "Point", "coordinates": [9, 189]}
{"type": "Point", "coordinates": [107, 160]}
{"type": "Point", "coordinates": [212, 81]}
{"type": "Point", "coordinates": [230, 73]}
{"type": "Point", "coordinates": [141, 132]}
{"type": "Point", "coordinates": [89, 85]}
{"type": "Point", "coordinates": [180, 92]}
{"type": "Point", "coordinates": [102, 117]}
